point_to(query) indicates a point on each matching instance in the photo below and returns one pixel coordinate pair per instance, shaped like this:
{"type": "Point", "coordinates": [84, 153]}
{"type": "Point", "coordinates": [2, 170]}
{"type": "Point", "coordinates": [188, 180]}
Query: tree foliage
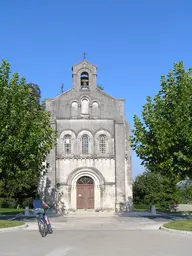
{"type": "Point", "coordinates": [101, 87]}
{"type": "Point", "coordinates": [186, 194]}
{"type": "Point", "coordinates": [185, 191]}
{"type": "Point", "coordinates": [163, 137]}
{"type": "Point", "coordinates": [26, 136]}
{"type": "Point", "coordinates": [152, 188]}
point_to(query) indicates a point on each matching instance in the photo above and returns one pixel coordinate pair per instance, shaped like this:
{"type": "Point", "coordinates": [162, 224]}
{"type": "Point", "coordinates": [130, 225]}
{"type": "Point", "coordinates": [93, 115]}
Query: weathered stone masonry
{"type": "Point", "coordinates": [91, 163]}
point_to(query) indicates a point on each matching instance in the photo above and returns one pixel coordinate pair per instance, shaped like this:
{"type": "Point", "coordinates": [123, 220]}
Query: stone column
{"type": "Point", "coordinates": [51, 160]}
{"type": "Point", "coordinates": [120, 163]}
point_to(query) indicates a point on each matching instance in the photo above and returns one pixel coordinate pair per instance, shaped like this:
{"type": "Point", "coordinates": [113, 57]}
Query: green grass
{"type": "Point", "coordinates": [182, 212]}
{"type": "Point", "coordinates": [185, 225]}
{"type": "Point", "coordinates": [141, 210]}
{"type": "Point", "coordinates": [8, 211]}
{"type": "Point", "coordinates": [143, 207]}
{"type": "Point", "coordinates": [9, 224]}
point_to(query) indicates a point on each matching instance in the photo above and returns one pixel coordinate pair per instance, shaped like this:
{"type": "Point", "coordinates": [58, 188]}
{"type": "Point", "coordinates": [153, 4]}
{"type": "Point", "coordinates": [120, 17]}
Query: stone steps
{"type": "Point", "coordinates": [83, 213]}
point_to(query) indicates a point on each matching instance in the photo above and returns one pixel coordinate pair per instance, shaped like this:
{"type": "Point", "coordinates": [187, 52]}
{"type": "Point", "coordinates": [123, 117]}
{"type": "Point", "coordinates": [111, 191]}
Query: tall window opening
{"type": "Point", "coordinates": [84, 107]}
{"type": "Point", "coordinates": [85, 144]}
{"type": "Point", "coordinates": [84, 81]}
{"type": "Point", "coordinates": [102, 144]}
{"type": "Point", "coordinates": [67, 144]}
{"type": "Point", "coordinates": [74, 109]}
{"type": "Point", "coordinates": [95, 109]}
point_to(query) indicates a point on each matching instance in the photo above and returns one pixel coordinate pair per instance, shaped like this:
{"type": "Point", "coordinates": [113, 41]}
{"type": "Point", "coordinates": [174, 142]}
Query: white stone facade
{"type": "Point", "coordinates": [92, 141]}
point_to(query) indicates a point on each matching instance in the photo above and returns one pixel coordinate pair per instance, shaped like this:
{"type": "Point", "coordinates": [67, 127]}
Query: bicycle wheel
{"type": "Point", "coordinates": [50, 230]}
{"type": "Point", "coordinates": [42, 227]}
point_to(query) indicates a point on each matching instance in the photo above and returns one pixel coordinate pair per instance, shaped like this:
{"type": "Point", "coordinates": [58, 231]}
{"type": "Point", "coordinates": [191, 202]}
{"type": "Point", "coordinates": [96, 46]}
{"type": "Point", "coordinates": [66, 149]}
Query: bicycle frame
{"type": "Point", "coordinates": [43, 219]}
{"type": "Point", "coordinates": [47, 229]}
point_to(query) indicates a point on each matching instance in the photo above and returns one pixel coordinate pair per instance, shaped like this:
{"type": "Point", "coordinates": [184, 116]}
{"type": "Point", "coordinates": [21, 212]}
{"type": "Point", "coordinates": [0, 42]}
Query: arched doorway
{"type": "Point", "coordinates": [85, 193]}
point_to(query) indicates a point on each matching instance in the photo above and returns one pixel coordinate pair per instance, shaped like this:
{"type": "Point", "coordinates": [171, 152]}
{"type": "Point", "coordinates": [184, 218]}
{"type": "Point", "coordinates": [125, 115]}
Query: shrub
{"type": "Point", "coordinates": [8, 202]}
{"type": "Point", "coordinates": [27, 202]}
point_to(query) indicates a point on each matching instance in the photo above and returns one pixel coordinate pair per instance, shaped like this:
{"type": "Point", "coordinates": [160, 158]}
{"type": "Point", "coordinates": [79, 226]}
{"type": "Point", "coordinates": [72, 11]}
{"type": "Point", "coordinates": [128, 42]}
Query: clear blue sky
{"type": "Point", "coordinates": [132, 42]}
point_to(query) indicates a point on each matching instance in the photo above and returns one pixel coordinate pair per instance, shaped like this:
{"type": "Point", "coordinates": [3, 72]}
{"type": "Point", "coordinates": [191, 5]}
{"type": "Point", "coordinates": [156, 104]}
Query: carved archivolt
{"type": "Point", "coordinates": [67, 132]}
{"type": "Point", "coordinates": [90, 172]}
{"type": "Point", "coordinates": [102, 142]}
{"type": "Point", "coordinates": [102, 132]}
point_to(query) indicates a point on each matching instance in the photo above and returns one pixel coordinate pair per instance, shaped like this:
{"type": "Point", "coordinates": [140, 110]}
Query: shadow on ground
{"type": "Point", "coordinates": [23, 217]}
{"type": "Point", "coordinates": [141, 214]}
{"type": "Point", "coordinates": [158, 215]}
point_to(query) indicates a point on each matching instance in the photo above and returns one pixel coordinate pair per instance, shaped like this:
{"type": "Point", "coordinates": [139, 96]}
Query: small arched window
{"type": "Point", "coordinates": [84, 81]}
{"type": "Point", "coordinates": [85, 144]}
{"type": "Point", "coordinates": [74, 109]}
{"type": "Point", "coordinates": [102, 144]}
{"type": "Point", "coordinates": [84, 107]}
{"type": "Point", "coordinates": [95, 109]}
{"type": "Point", "coordinates": [67, 144]}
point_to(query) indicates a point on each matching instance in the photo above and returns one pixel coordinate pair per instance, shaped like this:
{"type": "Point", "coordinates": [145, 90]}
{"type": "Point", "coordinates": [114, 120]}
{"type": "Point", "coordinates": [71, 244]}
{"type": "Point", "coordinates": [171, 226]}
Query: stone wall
{"type": "Point", "coordinates": [66, 166]}
{"type": "Point", "coordinates": [90, 112]}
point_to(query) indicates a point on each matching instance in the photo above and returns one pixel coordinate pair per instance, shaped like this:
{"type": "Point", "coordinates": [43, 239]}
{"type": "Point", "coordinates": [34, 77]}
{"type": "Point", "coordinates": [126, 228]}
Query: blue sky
{"type": "Point", "coordinates": [132, 42]}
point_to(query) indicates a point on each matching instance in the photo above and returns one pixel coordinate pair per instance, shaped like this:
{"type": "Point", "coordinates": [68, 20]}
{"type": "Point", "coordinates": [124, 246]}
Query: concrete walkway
{"type": "Point", "coordinates": [74, 236]}
{"type": "Point", "coordinates": [101, 223]}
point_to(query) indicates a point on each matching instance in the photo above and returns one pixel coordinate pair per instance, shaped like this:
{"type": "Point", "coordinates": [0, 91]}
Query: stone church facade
{"type": "Point", "coordinates": [90, 166]}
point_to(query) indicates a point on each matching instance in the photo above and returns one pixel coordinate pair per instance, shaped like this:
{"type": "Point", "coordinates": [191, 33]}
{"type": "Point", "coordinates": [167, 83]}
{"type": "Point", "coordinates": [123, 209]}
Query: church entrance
{"type": "Point", "coordinates": [85, 193]}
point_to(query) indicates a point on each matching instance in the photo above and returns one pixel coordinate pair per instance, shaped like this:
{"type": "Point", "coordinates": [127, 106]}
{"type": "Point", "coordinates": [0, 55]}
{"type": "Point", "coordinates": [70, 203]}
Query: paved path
{"type": "Point", "coordinates": [96, 236]}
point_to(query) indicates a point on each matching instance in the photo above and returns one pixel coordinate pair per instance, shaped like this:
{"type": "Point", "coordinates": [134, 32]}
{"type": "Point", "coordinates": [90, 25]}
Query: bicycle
{"type": "Point", "coordinates": [43, 223]}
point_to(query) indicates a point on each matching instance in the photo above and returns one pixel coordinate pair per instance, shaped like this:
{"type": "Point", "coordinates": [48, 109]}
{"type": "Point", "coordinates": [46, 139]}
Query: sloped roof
{"type": "Point", "coordinates": [58, 96]}
{"type": "Point", "coordinates": [86, 62]}
{"type": "Point", "coordinates": [108, 95]}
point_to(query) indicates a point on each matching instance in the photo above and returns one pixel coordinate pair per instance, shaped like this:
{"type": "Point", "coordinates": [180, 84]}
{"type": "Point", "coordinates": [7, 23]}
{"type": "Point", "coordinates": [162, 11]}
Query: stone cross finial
{"type": "Point", "coordinates": [62, 87]}
{"type": "Point", "coordinates": [84, 55]}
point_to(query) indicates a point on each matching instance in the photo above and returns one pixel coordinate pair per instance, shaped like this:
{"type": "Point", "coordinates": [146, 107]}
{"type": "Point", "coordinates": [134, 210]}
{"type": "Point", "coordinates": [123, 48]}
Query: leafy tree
{"type": "Point", "coordinates": [26, 136]}
{"type": "Point", "coordinates": [185, 190]}
{"type": "Point", "coordinates": [163, 137]}
{"type": "Point", "coordinates": [35, 91]}
{"type": "Point", "coordinates": [186, 194]}
{"type": "Point", "coordinates": [101, 87]}
{"type": "Point", "coordinates": [152, 188]}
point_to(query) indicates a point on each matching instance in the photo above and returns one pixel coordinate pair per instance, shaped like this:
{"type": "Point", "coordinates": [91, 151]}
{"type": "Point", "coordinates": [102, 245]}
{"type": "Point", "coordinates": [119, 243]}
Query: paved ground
{"type": "Point", "coordinates": [96, 236]}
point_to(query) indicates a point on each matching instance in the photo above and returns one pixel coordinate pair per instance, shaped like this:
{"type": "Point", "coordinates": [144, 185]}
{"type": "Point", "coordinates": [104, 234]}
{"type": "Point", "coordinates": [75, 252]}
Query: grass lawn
{"type": "Point", "coordinates": [8, 223]}
{"type": "Point", "coordinates": [180, 225]}
{"type": "Point", "coordinates": [182, 212]}
{"type": "Point", "coordinates": [8, 211]}
{"type": "Point", "coordinates": [141, 210]}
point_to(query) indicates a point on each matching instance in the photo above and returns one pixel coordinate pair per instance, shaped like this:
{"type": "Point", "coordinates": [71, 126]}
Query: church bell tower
{"type": "Point", "coordinates": [84, 76]}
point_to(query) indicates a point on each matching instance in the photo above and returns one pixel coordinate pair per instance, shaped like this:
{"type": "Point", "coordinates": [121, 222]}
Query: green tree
{"type": "Point", "coordinates": [162, 138]}
{"type": "Point", "coordinates": [26, 136]}
{"type": "Point", "coordinates": [101, 87]}
{"type": "Point", "coordinates": [185, 191]}
{"type": "Point", "coordinates": [152, 188]}
{"type": "Point", "coordinates": [35, 91]}
{"type": "Point", "coordinates": [186, 194]}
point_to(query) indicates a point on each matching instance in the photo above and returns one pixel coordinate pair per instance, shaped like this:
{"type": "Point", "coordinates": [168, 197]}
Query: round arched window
{"type": "Point", "coordinates": [85, 180]}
